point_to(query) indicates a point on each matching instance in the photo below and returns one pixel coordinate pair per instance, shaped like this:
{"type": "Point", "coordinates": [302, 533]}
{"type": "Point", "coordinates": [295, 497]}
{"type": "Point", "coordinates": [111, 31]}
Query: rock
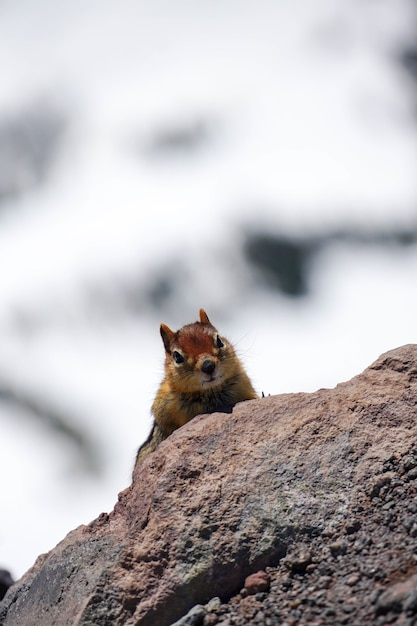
{"type": "Point", "coordinates": [379, 482]}
{"type": "Point", "coordinates": [338, 547]}
{"type": "Point", "coordinates": [399, 597]}
{"type": "Point", "coordinates": [194, 617]}
{"type": "Point", "coordinates": [412, 474]}
{"type": "Point", "coordinates": [6, 581]}
{"type": "Point", "coordinates": [213, 604]}
{"type": "Point", "coordinates": [324, 582]}
{"type": "Point", "coordinates": [260, 581]}
{"type": "Point", "coordinates": [353, 579]}
{"type": "Point", "coordinates": [299, 562]}
{"type": "Point", "coordinates": [352, 526]}
{"type": "Point", "coordinates": [231, 494]}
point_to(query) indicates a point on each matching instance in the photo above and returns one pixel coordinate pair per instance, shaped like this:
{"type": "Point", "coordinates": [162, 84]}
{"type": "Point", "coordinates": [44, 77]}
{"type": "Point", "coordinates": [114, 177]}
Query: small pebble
{"type": "Point", "coordinates": [338, 547]}
{"type": "Point", "coordinates": [260, 596]}
{"type": "Point", "coordinates": [286, 582]}
{"type": "Point", "coordinates": [255, 583]}
{"type": "Point", "coordinates": [259, 617]}
{"type": "Point", "coordinates": [213, 605]}
{"type": "Point", "coordinates": [324, 582]}
{"type": "Point", "coordinates": [380, 482]}
{"type": "Point", "coordinates": [412, 474]}
{"type": "Point", "coordinates": [352, 526]}
{"type": "Point", "coordinates": [353, 580]}
{"type": "Point", "coordinates": [409, 462]}
{"type": "Point", "coordinates": [194, 617]}
{"type": "Point", "coordinates": [299, 562]}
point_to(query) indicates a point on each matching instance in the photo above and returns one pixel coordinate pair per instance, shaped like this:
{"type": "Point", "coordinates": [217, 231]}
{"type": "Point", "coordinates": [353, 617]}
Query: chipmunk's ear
{"type": "Point", "coordinates": [204, 317]}
{"type": "Point", "coordinates": [167, 336]}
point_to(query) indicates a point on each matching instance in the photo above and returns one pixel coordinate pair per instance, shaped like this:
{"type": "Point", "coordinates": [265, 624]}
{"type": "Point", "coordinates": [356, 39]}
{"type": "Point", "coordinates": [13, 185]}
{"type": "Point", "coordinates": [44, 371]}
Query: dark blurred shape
{"type": "Point", "coordinates": [150, 289]}
{"type": "Point", "coordinates": [395, 237]}
{"type": "Point", "coordinates": [166, 284]}
{"type": "Point", "coordinates": [6, 581]}
{"type": "Point", "coordinates": [180, 138]}
{"type": "Point", "coordinates": [160, 288]}
{"type": "Point", "coordinates": [28, 143]}
{"type": "Point", "coordinates": [57, 421]}
{"type": "Point", "coordinates": [282, 261]}
{"type": "Point", "coordinates": [409, 60]}
{"type": "Point", "coordinates": [161, 291]}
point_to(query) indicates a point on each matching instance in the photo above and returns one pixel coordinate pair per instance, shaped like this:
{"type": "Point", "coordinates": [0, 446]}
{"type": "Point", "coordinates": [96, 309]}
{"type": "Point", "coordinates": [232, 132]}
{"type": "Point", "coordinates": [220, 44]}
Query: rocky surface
{"type": "Point", "coordinates": [6, 581]}
{"type": "Point", "coordinates": [313, 493]}
{"type": "Point", "coordinates": [362, 571]}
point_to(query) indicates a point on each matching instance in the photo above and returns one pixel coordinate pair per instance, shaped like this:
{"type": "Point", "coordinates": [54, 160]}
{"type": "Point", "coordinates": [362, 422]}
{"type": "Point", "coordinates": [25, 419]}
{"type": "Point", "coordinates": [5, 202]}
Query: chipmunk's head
{"type": "Point", "coordinates": [197, 357]}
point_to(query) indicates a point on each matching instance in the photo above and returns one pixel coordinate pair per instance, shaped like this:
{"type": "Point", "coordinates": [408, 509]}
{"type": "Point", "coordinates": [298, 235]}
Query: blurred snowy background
{"type": "Point", "coordinates": [257, 159]}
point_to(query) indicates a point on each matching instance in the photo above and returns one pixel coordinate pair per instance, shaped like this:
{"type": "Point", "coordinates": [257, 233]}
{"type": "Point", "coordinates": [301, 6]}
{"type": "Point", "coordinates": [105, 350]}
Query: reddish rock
{"type": "Point", "coordinates": [224, 496]}
{"type": "Point", "coordinates": [255, 583]}
{"type": "Point", "coordinates": [399, 597]}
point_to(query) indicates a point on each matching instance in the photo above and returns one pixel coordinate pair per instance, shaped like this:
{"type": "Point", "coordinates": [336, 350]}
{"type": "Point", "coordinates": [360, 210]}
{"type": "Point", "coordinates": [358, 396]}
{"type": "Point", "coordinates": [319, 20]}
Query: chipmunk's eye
{"type": "Point", "coordinates": [178, 358]}
{"type": "Point", "coordinates": [219, 342]}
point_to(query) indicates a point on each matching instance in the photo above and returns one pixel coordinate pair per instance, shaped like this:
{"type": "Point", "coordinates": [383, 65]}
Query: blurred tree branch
{"type": "Point", "coordinates": [59, 422]}
{"type": "Point", "coordinates": [29, 140]}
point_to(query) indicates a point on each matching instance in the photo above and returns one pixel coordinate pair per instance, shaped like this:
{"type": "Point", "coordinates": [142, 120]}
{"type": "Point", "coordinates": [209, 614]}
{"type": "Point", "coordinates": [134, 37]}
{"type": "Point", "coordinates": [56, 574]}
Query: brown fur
{"type": "Point", "coordinates": [208, 378]}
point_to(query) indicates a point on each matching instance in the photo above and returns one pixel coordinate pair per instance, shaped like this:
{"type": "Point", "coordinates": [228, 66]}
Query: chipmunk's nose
{"type": "Point", "coordinates": [208, 366]}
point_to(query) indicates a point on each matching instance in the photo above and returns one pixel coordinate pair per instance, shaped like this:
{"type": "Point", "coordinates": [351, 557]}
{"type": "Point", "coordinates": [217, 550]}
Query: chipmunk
{"type": "Point", "coordinates": [202, 375]}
